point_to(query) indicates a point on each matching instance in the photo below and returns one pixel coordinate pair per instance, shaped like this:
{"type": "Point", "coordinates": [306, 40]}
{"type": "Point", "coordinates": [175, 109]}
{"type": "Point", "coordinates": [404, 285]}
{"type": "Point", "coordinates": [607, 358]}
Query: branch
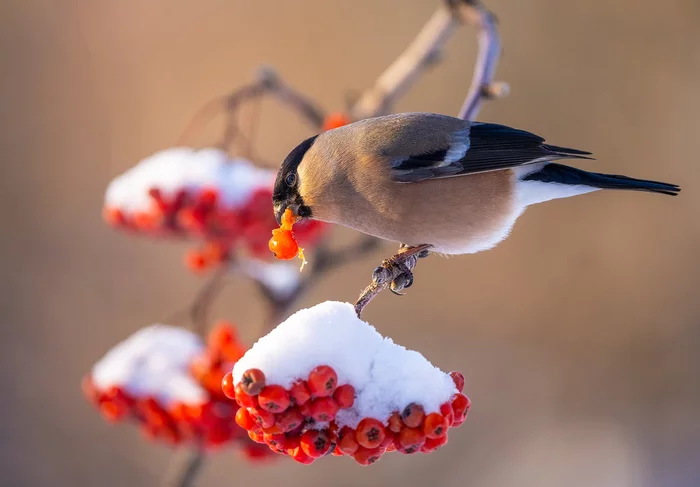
{"type": "Point", "coordinates": [403, 72]}
{"type": "Point", "coordinates": [267, 82]}
{"type": "Point", "coordinates": [424, 51]}
{"type": "Point", "coordinates": [182, 473]}
{"type": "Point", "coordinates": [325, 260]}
{"type": "Point", "coordinates": [483, 87]}
{"type": "Point", "coordinates": [199, 311]}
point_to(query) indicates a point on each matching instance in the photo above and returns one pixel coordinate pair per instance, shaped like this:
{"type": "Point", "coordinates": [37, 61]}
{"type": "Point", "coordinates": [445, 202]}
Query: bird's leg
{"type": "Point", "coordinates": [397, 270]}
{"type": "Point", "coordinates": [395, 273]}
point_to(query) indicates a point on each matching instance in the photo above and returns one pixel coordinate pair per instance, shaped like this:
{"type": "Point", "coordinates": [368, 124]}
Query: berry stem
{"type": "Point", "coordinates": [183, 471]}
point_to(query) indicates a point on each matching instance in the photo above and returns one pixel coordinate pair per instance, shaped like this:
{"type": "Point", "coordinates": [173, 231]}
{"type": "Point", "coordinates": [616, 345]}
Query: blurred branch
{"type": "Point", "coordinates": [199, 310]}
{"type": "Point", "coordinates": [182, 472]}
{"type": "Point", "coordinates": [482, 87]}
{"type": "Point", "coordinates": [268, 82]}
{"type": "Point", "coordinates": [325, 260]}
{"type": "Point", "coordinates": [424, 52]}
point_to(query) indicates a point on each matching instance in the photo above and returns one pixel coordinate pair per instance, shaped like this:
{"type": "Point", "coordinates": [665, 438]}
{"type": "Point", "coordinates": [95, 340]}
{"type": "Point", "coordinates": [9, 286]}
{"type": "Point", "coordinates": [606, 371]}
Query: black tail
{"type": "Point", "coordinates": [566, 153]}
{"type": "Point", "coordinates": [558, 173]}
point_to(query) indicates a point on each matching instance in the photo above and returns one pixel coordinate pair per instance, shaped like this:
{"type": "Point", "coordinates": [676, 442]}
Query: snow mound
{"type": "Point", "coordinates": [386, 376]}
{"type": "Point", "coordinates": [153, 362]}
{"type": "Point", "coordinates": [192, 170]}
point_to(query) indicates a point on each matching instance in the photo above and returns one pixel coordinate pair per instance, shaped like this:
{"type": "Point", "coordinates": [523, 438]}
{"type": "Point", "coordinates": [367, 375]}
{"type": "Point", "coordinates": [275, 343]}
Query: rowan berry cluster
{"type": "Point", "coordinates": [303, 421]}
{"type": "Point", "coordinates": [200, 195]}
{"type": "Point", "coordinates": [182, 403]}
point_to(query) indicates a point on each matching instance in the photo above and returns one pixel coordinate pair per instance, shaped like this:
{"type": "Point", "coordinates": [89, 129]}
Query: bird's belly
{"type": "Point", "coordinates": [456, 216]}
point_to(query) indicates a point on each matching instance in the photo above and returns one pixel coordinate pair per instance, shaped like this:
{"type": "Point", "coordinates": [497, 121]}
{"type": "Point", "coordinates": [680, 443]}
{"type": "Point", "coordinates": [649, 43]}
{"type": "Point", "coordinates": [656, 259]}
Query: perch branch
{"type": "Point", "coordinates": [412, 62]}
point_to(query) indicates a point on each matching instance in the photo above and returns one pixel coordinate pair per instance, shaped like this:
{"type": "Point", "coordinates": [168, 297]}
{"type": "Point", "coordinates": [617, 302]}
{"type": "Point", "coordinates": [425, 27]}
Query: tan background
{"type": "Point", "coordinates": [579, 335]}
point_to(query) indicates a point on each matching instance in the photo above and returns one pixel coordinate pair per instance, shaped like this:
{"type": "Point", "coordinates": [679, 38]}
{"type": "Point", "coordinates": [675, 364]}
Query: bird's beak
{"type": "Point", "coordinates": [280, 208]}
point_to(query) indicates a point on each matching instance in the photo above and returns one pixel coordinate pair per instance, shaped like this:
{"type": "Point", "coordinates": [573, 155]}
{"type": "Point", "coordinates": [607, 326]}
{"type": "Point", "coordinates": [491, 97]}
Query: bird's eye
{"type": "Point", "coordinates": [291, 179]}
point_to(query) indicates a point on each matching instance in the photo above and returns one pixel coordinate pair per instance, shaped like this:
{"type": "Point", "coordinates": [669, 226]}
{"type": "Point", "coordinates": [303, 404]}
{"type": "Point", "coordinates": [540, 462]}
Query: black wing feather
{"type": "Point", "coordinates": [491, 147]}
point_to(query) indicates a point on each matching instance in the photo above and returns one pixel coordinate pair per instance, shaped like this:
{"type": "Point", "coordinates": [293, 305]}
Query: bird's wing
{"type": "Point", "coordinates": [479, 148]}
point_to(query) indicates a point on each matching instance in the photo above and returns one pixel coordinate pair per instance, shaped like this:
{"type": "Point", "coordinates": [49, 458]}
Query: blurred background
{"type": "Point", "coordinates": [578, 336]}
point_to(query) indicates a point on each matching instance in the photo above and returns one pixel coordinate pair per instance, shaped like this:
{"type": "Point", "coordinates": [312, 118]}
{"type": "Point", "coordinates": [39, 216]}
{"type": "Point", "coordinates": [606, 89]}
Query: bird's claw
{"type": "Point", "coordinates": [393, 271]}
{"type": "Point", "coordinates": [402, 281]}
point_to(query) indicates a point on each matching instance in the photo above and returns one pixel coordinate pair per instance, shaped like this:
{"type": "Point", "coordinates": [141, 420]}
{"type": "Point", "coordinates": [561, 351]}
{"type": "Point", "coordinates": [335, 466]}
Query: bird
{"type": "Point", "coordinates": [431, 182]}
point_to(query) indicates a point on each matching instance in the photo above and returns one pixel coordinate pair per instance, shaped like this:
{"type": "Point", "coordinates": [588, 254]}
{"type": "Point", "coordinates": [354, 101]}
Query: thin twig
{"type": "Point", "coordinates": [405, 70]}
{"type": "Point", "coordinates": [183, 472]}
{"type": "Point", "coordinates": [325, 260]}
{"type": "Point", "coordinates": [268, 82]}
{"type": "Point", "coordinates": [482, 86]}
{"type": "Point", "coordinates": [199, 310]}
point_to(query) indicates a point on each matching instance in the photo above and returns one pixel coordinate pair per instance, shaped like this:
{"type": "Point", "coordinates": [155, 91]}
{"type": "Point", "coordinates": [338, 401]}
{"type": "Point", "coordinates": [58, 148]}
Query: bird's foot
{"type": "Point", "coordinates": [398, 270]}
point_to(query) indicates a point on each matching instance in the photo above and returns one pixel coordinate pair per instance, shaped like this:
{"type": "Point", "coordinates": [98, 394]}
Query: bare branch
{"type": "Point", "coordinates": [268, 82]}
{"type": "Point", "coordinates": [424, 51]}
{"type": "Point", "coordinates": [403, 72]}
{"type": "Point", "coordinates": [325, 260]}
{"type": "Point", "coordinates": [482, 87]}
{"type": "Point", "coordinates": [199, 311]}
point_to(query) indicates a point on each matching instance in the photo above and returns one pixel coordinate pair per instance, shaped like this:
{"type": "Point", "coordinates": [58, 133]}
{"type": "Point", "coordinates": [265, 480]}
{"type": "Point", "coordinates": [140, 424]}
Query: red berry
{"type": "Point", "coordinates": [335, 120]}
{"type": "Point", "coordinates": [113, 410]}
{"type": "Point", "coordinates": [458, 379]}
{"type": "Point", "coordinates": [412, 415]}
{"type": "Point", "coordinates": [208, 197]}
{"type": "Point", "coordinates": [315, 443]}
{"type": "Point", "coordinates": [324, 409]}
{"type": "Point", "coordinates": [273, 430]}
{"type": "Point", "coordinates": [244, 419]}
{"type": "Point", "coordinates": [253, 381]}
{"type": "Point", "coordinates": [276, 442]}
{"type": "Point", "coordinates": [448, 413]}
{"type": "Point", "coordinates": [435, 426]}
{"type": "Point", "coordinates": [227, 386]}
{"type": "Point", "coordinates": [243, 399]}
{"type": "Point", "coordinates": [322, 381]}
{"type": "Point", "coordinates": [290, 419]}
{"type": "Point", "coordinates": [432, 444]}
{"type": "Point", "coordinates": [283, 245]}
{"type": "Point", "coordinates": [262, 418]}
{"type": "Point", "coordinates": [298, 455]}
{"type": "Point", "coordinates": [460, 405]}
{"type": "Point", "coordinates": [299, 393]}
{"type": "Point", "coordinates": [395, 423]}
{"type": "Point", "coordinates": [348, 444]}
{"type": "Point", "coordinates": [367, 456]}
{"type": "Point", "coordinates": [389, 437]}
{"type": "Point", "coordinates": [344, 396]}
{"type": "Point", "coordinates": [274, 399]}
{"type": "Point", "coordinates": [305, 409]}
{"type": "Point", "coordinates": [410, 440]}
{"type": "Point", "coordinates": [370, 433]}
{"type": "Point", "coordinates": [196, 260]}
{"type": "Point", "coordinates": [256, 437]}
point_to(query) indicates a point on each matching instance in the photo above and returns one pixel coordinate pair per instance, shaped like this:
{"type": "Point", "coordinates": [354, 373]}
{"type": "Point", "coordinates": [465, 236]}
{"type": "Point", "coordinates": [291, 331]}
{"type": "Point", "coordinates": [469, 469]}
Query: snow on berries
{"type": "Point", "coordinates": [325, 382]}
{"type": "Point", "coordinates": [200, 194]}
{"type": "Point", "coordinates": [172, 385]}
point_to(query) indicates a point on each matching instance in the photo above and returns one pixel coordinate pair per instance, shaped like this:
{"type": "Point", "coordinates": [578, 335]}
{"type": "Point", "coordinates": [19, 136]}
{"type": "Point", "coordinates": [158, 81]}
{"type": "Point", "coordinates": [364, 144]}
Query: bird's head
{"type": "Point", "coordinates": [286, 191]}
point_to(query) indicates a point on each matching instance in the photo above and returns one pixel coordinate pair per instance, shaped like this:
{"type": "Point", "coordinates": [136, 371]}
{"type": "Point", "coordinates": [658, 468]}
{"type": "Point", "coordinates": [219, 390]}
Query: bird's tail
{"type": "Point", "coordinates": [566, 153]}
{"type": "Point", "coordinates": [558, 173]}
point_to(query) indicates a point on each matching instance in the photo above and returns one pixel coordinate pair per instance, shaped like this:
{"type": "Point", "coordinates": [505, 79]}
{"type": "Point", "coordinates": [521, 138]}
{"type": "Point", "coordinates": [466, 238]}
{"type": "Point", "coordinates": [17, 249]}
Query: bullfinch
{"type": "Point", "coordinates": [433, 182]}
